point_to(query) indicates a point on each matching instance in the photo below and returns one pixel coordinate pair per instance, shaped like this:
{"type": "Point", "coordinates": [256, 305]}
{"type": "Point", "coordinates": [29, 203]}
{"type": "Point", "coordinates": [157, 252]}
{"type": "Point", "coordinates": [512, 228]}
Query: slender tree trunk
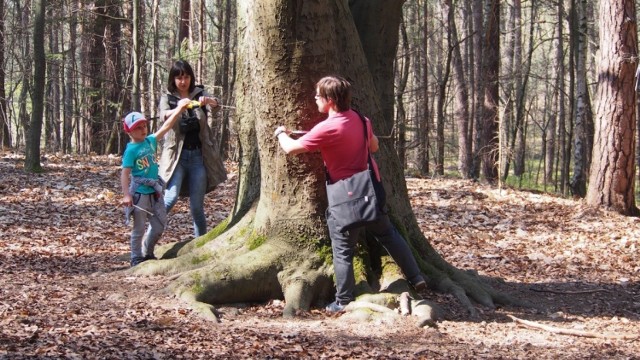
{"type": "Point", "coordinates": [611, 179]}
{"type": "Point", "coordinates": [201, 40]}
{"type": "Point", "coordinates": [52, 107]}
{"type": "Point", "coordinates": [69, 79]}
{"type": "Point", "coordinates": [423, 122]}
{"type": "Point", "coordinates": [461, 110]}
{"type": "Point", "coordinates": [53, 88]}
{"type": "Point", "coordinates": [559, 130]}
{"type": "Point", "coordinates": [448, 13]}
{"type": "Point", "coordinates": [154, 84]}
{"type": "Point", "coordinates": [583, 114]}
{"type": "Point", "coordinates": [227, 77]}
{"type": "Point", "coordinates": [403, 64]}
{"type": "Point", "coordinates": [521, 98]}
{"type": "Point", "coordinates": [32, 154]}
{"type": "Point", "coordinates": [185, 21]}
{"type": "Point", "coordinates": [5, 133]}
{"type": "Point", "coordinates": [23, 12]}
{"type": "Point", "coordinates": [479, 62]}
{"type": "Point", "coordinates": [509, 75]}
{"type": "Point", "coordinates": [491, 93]}
{"type": "Point", "coordinates": [135, 56]}
{"type": "Point", "coordinates": [510, 126]}
{"type": "Point", "coordinates": [114, 83]}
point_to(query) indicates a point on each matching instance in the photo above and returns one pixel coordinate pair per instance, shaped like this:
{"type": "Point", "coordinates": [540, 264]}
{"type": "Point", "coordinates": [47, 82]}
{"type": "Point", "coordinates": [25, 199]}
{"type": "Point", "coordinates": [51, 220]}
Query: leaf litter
{"type": "Point", "coordinates": [66, 294]}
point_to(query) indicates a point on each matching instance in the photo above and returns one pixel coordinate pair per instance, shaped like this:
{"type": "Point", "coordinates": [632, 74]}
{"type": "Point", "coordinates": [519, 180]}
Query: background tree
{"type": "Point", "coordinates": [5, 135]}
{"type": "Point", "coordinates": [461, 91]}
{"type": "Point", "coordinates": [32, 153]}
{"type": "Point", "coordinates": [488, 131]}
{"type": "Point", "coordinates": [583, 140]}
{"type": "Point", "coordinates": [135, 56]}
{"type": "Point", "coordinates": [560, 106]}
{"type": "Point", "coordinates": [611, 179]}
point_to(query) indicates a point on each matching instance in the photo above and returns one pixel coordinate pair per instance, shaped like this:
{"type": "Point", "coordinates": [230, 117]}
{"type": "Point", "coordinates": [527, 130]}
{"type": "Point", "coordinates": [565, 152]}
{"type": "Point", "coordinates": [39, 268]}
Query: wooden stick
{"type": "Point", "coordinates": [570, 292]}
{"type": "Point", "coordinates": [561, 331]}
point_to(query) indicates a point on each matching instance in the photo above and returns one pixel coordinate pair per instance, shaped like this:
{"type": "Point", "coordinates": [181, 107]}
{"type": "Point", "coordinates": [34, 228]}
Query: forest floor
{"type": "Point", "coordinates": [65, 291]}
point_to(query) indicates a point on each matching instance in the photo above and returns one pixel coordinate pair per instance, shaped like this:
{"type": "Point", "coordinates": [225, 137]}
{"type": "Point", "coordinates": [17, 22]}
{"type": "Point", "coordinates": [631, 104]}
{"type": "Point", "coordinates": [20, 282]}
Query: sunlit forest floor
{"type": "Point", "coordinates": [65, 291]}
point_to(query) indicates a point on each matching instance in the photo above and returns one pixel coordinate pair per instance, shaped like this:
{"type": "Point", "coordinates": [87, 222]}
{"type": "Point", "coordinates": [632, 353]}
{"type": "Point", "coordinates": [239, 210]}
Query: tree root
{"type": "Point", "coordinates": [391, 307]}
{"type": "Point", "coordinates": [230, 270]}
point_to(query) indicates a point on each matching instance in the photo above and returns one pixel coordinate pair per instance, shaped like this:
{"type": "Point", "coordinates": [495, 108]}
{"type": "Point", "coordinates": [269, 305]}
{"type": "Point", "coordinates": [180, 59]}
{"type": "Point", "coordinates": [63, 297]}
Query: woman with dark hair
{"type": "Point", "coordinates": [189, 163]}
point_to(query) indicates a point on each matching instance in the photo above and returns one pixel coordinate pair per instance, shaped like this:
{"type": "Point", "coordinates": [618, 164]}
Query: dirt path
{"type": "Point", "coordinates": [65, 291]}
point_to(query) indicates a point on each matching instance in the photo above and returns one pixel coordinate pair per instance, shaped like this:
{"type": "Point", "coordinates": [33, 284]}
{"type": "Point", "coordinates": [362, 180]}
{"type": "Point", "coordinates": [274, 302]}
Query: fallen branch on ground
{"type": "Point", "coordinates": [561, 331]}
{"type": "Point", "coordinates": [570, 292]}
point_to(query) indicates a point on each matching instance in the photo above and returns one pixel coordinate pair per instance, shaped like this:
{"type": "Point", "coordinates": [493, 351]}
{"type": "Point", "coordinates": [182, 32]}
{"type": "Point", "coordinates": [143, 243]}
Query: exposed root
{"type": "Point", "coordinates": [405, 304]}
{"type": "Point", "coordinates": [204, 310]}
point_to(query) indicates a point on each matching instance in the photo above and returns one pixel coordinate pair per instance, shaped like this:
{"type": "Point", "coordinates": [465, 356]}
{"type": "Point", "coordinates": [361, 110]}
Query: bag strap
{"type": "Point", "coordinates": [366, 135]}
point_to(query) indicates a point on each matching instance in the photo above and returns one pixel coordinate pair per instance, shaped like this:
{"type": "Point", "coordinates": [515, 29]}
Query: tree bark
{"type": "Point", "coordinates": [611, 180]}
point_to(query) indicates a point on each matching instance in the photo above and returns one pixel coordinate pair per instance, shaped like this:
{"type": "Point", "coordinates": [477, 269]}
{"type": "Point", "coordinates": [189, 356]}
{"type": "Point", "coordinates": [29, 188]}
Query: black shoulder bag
{"type": "Point", "coordinates": [358, 199]}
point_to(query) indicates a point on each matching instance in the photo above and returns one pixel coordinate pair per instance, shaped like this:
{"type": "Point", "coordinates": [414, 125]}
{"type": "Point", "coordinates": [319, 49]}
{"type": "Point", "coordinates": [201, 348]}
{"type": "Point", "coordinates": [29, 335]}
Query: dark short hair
{"type": "Point", "coordinates": [180, 67]}
{"type": "Point", "coordinates": [337, 89]}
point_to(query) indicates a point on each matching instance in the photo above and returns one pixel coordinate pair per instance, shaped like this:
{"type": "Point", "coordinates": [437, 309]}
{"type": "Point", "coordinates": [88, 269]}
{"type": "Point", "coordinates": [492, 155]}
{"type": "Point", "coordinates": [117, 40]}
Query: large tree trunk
{"type": "Point", "coordinates": [611, 179]}
{"type": "Point", "coordinates": [275, 244]}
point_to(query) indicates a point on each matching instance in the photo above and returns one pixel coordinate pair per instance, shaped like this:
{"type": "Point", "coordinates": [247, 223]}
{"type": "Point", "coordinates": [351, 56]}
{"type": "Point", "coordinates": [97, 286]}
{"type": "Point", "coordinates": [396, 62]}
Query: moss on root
{"type": "Point", "coordinates": [214, 233]}
{"type": "Point", "coordinates": [255, 241]}
{"type": "Point", "coordinates": [201, 258]}
{"type": "Point", "coordinates": [196, 286]}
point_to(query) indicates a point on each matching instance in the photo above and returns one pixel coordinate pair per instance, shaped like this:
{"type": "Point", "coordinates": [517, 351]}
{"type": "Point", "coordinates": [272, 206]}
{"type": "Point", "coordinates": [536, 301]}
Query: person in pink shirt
{"type": "Point", "coordinates": [340, 140]}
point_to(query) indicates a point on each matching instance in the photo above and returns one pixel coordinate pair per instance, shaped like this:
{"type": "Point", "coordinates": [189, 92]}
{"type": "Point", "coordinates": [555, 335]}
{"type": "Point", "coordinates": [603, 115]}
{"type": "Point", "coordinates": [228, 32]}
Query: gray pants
{"type": "Point", "coordinates": [143, 247]}
{"type": "Point", "coordinates": [344, 247]}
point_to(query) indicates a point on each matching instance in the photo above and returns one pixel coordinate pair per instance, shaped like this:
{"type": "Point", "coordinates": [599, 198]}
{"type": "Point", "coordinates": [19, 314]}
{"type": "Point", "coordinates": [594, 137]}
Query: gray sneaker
{"type": "Point", "coordinates": [335, 307]}
{"type": "Point", "coordinates": [136, 260]}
